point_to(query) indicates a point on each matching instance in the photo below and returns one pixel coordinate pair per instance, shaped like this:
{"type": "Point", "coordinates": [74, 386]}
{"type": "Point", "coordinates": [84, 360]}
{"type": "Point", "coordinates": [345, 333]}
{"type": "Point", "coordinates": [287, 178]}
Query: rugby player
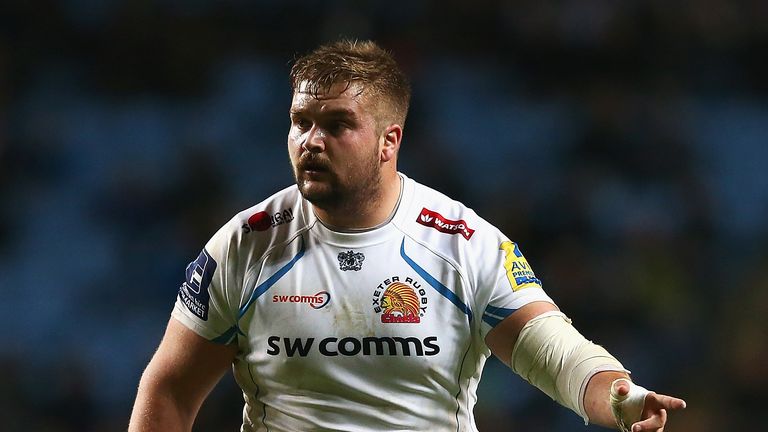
{"type": "Point", "coordinates": [359, 299]}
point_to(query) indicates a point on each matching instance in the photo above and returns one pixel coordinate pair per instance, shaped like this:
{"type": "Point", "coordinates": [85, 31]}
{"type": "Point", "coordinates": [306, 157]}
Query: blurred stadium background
{"type": "Point", "coordinates": [622, 144]}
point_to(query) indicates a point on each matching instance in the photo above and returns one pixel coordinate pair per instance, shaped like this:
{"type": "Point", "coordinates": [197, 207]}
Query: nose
{"type": "Point", "coordinates": [315, 142]}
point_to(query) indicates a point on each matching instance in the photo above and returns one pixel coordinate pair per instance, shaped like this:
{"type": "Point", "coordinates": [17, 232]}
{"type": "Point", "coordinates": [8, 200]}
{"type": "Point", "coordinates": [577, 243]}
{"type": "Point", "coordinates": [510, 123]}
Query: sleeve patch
{"type": "Point", "coordinates": [194, 291]}
{"type": "Point", "coordinates": [519, 272]}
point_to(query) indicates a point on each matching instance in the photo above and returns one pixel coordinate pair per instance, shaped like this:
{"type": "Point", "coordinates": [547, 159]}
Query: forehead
{"type": "Point", "coordinates": [340, 96]}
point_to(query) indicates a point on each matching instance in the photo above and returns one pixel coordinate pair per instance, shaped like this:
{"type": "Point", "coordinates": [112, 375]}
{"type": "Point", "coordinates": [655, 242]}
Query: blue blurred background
{"type": "Point", "coordinates": [623, 144]}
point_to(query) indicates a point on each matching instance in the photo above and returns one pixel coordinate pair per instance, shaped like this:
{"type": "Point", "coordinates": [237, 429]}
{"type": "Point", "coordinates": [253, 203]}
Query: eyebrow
{"type": "Point", "coordinates": [333, 113]}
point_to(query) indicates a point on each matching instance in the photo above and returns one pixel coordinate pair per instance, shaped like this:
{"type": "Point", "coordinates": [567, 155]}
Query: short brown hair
{"type": "Point", "coordinates": [351, 61]}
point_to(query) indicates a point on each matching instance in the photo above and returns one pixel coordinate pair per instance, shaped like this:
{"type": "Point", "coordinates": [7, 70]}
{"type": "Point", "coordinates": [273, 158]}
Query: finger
{"type": "Point", "coordinates": [639, 429]}
{"type": "Point", "coordinates": [654, 423]}
{"type": "Point", "coordinates": [665, 401]}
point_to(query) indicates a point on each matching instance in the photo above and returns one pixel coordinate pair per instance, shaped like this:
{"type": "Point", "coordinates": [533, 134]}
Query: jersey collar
{"type": "Point", "coordinates": [368, 236]}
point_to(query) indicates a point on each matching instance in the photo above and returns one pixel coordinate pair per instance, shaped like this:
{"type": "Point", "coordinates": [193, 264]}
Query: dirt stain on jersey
{"type": "Point", "coordinates": [350, 320]}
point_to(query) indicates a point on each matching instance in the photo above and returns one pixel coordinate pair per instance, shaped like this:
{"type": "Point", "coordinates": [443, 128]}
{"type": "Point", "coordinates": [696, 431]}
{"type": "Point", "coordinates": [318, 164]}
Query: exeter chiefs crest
{"type": "Point", "coordinates": [351, 261]}
{"type": "Point", "coordinates": [400, 302]}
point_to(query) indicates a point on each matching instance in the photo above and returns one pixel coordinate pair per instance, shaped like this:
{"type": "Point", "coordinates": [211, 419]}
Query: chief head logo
{"type": "Point", "coordinates": [400, 299]}
{"type": "Point", "coordinates": [400, 304]}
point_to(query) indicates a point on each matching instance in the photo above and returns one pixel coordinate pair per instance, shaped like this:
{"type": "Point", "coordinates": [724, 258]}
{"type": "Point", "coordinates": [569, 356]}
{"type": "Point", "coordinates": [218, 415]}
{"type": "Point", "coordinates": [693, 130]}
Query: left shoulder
{"type": "Point", "coordinates": [436, 219]}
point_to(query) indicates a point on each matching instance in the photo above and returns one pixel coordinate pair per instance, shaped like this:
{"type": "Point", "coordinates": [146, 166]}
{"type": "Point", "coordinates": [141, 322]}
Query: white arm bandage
{"type": "Point", "coordinates": [553, 356]}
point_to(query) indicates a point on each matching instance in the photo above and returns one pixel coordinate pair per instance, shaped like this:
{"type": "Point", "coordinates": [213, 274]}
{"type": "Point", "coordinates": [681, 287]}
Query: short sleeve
{"type": "Point", "coordinates": [202, 303]}
{"type": "Point", "coordinates": [511, 283]}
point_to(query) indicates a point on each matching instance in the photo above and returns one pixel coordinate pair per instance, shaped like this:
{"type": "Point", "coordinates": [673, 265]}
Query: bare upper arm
{"type": "Point", "coordinates": [501, 339]}
{"type": "Point", "coordinates": [185, 367]}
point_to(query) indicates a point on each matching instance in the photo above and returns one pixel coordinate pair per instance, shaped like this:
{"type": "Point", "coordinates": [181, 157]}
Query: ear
{"type": "Point", "coordinates": [390, 142]}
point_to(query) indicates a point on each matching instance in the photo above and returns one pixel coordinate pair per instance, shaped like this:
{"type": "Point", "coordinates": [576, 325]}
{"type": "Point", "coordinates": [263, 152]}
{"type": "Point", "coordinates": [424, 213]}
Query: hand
{"type": "Point", "coordinates": [653, 415]}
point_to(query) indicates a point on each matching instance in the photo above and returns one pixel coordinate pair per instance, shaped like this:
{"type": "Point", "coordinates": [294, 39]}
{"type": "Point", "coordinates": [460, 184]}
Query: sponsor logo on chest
{"type": "Point", "coordinates": [353, 346]}
{"type": "Point", "coordinates": [317, 301]}
{"type": "Point", "coordinates": [396, 300]}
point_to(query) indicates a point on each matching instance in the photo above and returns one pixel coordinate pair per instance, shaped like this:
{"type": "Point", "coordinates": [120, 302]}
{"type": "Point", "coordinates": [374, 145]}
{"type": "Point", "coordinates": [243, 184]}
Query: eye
{"type": "Point", "coordinates": [336, 127]}
{"type": "Point", "coordinates": [302, 123]}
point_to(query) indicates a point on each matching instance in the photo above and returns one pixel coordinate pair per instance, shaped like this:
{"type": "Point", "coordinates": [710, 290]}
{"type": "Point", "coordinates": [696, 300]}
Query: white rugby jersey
{"type": "Point", "coordinates": [349, 331]}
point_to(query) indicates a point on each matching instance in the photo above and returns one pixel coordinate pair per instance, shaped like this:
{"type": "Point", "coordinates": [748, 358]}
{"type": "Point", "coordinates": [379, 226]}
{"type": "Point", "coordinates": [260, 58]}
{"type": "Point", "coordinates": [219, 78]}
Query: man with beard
{"type": "Point", "coordinates": [359, 299]}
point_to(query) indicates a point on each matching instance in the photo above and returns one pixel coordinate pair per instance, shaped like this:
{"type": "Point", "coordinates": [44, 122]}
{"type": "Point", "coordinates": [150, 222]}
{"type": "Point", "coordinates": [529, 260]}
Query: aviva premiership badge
{"type": "Point", "coordinates": [519, 272]}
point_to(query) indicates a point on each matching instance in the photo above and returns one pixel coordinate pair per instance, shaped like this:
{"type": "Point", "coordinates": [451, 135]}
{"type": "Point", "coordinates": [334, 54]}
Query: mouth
{"type": "Point", "coordinates": [313, 171]}
{"type": "Point", "coordinates": [313, 167]}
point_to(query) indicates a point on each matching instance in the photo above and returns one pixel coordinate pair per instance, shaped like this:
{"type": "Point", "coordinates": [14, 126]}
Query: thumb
{"type": "Point", "coordinates": [627, 402]}
{"type": "Point", "coordinates": [620, 389]}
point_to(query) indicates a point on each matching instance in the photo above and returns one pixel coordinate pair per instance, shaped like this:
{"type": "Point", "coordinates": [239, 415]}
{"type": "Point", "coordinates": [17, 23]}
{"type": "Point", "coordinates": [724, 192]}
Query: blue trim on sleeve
{"type": "Point", "coordinates": [499, 311]}
{"type": "Point", "coordinates": [494, 315]}
{"type": "Point", "coordinates": [439, 287]}
{"type": "Point", "coordinates": [493, 322]}
{"type": "Point", "coordinates": [267, 284]}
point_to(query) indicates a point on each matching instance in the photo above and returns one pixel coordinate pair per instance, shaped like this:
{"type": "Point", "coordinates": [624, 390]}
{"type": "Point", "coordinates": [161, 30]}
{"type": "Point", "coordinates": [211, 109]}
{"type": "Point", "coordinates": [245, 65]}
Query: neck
{"type": "Point", "coordinates": [366, 212]}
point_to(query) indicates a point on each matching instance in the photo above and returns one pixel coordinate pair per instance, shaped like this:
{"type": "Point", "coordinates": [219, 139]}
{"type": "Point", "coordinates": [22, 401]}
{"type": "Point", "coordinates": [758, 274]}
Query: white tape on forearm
{"type": "Point", "coordinates": [627, 409]}
{"type": "Point", "coordinates": [553, 356]}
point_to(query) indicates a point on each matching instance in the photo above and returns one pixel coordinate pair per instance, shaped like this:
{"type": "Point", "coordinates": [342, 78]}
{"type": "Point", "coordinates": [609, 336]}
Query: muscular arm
{"type": "Point", "coordinates": [178, 378]}
{"type": "Point", "coordinates": [502, 339]}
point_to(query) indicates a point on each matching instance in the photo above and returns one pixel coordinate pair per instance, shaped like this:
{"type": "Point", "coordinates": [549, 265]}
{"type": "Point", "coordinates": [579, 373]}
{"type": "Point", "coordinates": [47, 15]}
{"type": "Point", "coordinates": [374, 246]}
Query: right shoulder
{"type": "Point", "coordinates": [254, 231]}
{"type": "Point", "coordinates": [213, 291]}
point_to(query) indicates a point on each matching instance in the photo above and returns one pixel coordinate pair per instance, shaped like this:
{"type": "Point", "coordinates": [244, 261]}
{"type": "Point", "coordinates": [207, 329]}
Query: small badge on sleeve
{"type": "Point", "coordinates": [194, 291]}
{"type": "Point", "coordinates": [519, 272]}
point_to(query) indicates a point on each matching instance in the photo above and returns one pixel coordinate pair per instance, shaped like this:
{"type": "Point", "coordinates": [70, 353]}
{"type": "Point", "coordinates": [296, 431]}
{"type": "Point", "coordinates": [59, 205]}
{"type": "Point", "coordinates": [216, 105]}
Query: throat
{"type": "Point", "coordinates": [375, 209]}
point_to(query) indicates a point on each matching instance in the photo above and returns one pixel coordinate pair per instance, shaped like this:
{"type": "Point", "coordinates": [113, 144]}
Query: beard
{"type": "Point", "coordinates": [327, 189]}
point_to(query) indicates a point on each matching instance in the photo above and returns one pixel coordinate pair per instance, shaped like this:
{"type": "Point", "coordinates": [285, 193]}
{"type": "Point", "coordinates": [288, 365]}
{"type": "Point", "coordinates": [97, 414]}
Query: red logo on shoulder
{"type": "Point", "coordinates": [260, 221]}
{"type": "Point", "coordinates": [435, 220]}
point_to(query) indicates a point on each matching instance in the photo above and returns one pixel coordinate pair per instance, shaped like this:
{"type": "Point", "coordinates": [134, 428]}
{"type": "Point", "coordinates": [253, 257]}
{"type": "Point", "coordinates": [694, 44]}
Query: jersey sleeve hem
{"type": "Point", "coordinates": [191, 323]}
{"type": "Point", "coordinates": [493, 315]}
